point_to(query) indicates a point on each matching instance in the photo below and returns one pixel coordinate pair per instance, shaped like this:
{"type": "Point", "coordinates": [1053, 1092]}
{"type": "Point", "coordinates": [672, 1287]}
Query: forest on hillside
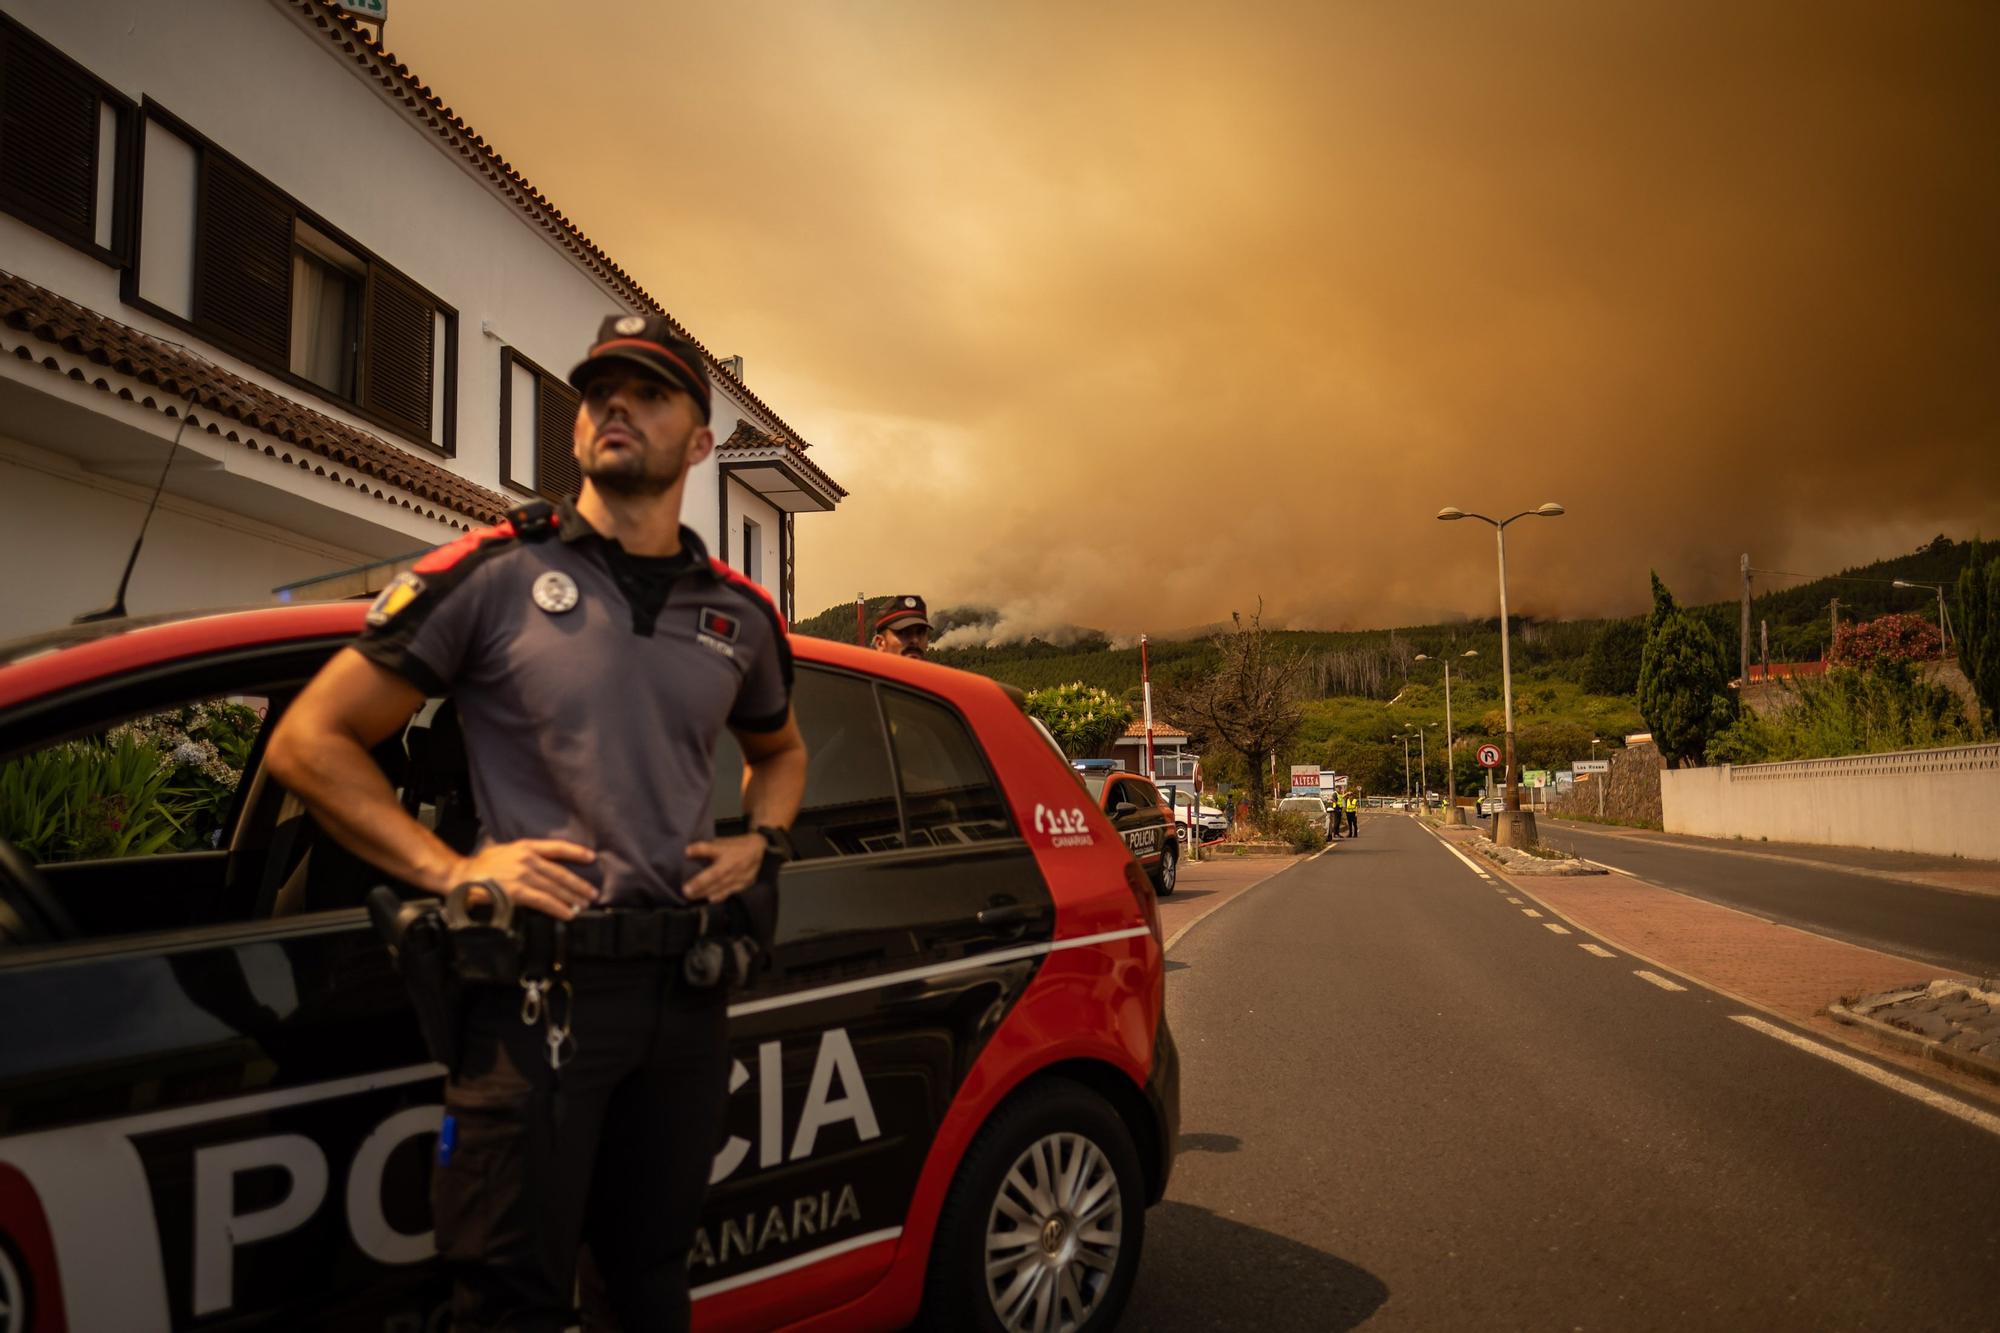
{"type": "Point", "coordinates": [1574, 680]}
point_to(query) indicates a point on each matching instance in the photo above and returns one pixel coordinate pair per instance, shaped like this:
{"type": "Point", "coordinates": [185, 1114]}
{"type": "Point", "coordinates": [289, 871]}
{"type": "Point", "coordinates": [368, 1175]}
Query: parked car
{"type": "Point", "coordinates": [1214, 825]}
{"type": "Point", "coordinates": [1314, 809]}
{"type": "Point", "coordinates": [1143, 819]}
{"type": "Point", "coordinates": [219, 1112]}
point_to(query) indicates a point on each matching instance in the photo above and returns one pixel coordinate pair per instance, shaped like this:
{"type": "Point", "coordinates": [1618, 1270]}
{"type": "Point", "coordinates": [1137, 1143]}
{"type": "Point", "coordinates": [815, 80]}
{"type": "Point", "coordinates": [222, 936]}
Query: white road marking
{"type": "Point", "coordinates": [1935, 1100]}
{"type": "Point", "coordinates": [1469, 864]}
{"type": "Point", "coordinates": [1659, 981]}
{"type": "Point", "coordinates": [1560, 930]}
{"type": "Point", "coordinates": [1597, 949]}
{"type": "Point", "coordinates": [1515, 901]}
{"type": "Point", "coordinates": [1529, 911]}
{"type": "Point", "coordinates": [1613, 869]}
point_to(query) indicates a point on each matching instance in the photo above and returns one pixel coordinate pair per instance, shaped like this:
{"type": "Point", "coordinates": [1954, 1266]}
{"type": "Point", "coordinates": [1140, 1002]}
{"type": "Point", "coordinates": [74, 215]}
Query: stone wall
{"type": "Point", "coordinates": [1632, 793]}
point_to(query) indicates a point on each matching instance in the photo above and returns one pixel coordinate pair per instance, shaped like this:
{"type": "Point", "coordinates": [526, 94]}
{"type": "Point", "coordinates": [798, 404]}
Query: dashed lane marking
{"type": "Point", "coordinates": [1515, 901]}
{"type": "Point", "coordinates": [1935, 1100]}
{"type": "Point", "coordinates": [1531, 912]}
{"type": "Point", "coordinates": [1560, 930]}
{"type": "Point", "coordinates": [1597, 949]}
{"type": "Point", "coordinates": [1469, 864]}
{"type": "Point", "coordinates": [1659, 980]}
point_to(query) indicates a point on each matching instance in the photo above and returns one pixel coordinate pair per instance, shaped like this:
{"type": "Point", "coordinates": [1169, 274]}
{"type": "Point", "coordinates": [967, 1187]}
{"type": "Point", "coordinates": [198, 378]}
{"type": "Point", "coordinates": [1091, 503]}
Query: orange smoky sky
{"type": "Point", "coordinates": [1127, 314]}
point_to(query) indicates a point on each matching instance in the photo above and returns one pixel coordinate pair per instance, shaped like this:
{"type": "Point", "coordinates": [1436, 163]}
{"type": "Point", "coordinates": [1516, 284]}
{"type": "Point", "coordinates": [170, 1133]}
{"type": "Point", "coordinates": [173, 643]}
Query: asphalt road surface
{"type": "Point", "coordinates": [1957, 931]}
{"type": "Point", "coordinates": [1406, 1103]}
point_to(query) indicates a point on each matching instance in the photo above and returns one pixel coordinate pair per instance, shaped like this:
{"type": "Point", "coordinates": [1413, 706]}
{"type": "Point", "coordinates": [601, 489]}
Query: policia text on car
{"type": "Point", "coordinates": [594, 653]}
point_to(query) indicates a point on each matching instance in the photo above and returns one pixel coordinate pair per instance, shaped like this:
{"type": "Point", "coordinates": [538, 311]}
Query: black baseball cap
{"type": "Point", "coordinates": [907, 609]}
{"type": "Point", "coordinates": [648, 343]}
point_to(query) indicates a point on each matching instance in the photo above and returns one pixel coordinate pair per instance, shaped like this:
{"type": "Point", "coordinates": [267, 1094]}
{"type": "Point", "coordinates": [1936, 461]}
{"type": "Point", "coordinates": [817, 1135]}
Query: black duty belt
{"type": "Point", "coordinates": [664, 932]}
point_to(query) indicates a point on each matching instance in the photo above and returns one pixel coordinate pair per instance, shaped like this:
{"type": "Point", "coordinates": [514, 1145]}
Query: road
{"type": "Point", "coordinates": [1960, 932]}
{"type": "Point", "coordinates": [1408, 1103]}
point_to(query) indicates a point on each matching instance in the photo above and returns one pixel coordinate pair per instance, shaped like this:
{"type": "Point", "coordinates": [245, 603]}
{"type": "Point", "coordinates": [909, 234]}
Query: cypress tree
{"type": "Point", "coordinates": [1683, 681]}
{"type": "Point", "coordinates": [1978, 613]}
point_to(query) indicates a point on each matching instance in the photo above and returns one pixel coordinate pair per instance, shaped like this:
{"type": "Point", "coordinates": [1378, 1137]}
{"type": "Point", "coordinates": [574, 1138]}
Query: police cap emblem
{"type": "Point", "coordinates": [630, 325]}
{"type": "Point", "coordinates": [555, 592]}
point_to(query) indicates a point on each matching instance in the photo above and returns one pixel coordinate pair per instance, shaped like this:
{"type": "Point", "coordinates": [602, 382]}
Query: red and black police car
{"type": "Point", "coordinates": [954, 1093]}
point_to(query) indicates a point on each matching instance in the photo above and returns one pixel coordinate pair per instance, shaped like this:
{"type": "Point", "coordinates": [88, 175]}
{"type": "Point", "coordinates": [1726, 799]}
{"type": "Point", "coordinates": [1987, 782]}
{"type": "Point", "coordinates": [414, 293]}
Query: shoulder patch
{"type": "Point", "coordinates": [452, 552]}
{"type": "Point", "coordinates": [751, 586]}
{"type": "Point", "coordinates": [402, 590]}
{"type": "Point", "coordinates": [533, 521]}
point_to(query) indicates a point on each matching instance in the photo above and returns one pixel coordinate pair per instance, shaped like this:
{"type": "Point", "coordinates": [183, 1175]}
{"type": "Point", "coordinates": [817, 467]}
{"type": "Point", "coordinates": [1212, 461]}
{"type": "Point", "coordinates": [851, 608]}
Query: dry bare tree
{"type": "Point", "coordinates": [1250, 703]}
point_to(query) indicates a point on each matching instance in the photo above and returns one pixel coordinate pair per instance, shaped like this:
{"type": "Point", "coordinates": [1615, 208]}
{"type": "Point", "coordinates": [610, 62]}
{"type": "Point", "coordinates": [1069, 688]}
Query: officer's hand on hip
{"type": "Point", "coordinates": [733, 864]}
{"type": "Point", "coordinates": [532, 872]}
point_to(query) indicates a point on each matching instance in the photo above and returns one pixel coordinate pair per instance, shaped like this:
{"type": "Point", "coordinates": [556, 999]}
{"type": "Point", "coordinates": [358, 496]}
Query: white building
{"type": "Point", "coordinates": [241, 213]}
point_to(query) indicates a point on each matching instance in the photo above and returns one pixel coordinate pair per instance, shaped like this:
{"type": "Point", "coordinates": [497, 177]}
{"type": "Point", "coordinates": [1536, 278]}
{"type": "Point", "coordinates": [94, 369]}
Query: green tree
{"type": "Point", "coordinates": [1978, 614]}
{"type": "Point", "coordinates": [1683, 681]}
{"type": "Point", "coordinates": [1847, 711]}
{"type": "Point", "coordinates": [1612, 665]}
{"type": "Point", "coordinates": [1082, 718]}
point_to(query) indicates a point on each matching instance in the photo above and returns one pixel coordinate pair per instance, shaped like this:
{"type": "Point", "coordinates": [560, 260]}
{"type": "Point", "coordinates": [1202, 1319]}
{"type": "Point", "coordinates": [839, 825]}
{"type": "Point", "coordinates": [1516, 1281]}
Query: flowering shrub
{"type": "Point", "coordinates": [161, 783]}
{"type": "Point", "coordinates": [1892, 638]}
{"type": "Point", "coordinates": [1081, 717]}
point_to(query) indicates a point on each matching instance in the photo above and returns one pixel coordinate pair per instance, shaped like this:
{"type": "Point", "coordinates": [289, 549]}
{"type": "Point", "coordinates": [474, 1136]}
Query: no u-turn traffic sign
{"type": "Point", "coordinates": [1489, 756]}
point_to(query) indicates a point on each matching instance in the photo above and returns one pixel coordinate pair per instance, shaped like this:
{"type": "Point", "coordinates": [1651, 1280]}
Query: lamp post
{"type": "Point", "coordinates": [1404, 737]}
{"type": "Point", "coordinates": [1944, 625]}
{"type": "Point", "coordinates": [1506, 824]}
{"type": "Point", "coordinates": [1450, 775]}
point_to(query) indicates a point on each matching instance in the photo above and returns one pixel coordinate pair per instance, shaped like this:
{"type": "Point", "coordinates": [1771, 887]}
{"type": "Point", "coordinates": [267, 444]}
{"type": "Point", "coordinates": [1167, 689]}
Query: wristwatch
{"type": "Point", "coordinates": [777, 842]}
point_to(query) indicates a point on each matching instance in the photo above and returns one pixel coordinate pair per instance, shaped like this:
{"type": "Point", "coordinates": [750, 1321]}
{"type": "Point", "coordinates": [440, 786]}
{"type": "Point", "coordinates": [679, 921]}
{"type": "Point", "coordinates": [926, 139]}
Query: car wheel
{"type": "Point", "coordinates": [1043, 1225]}
{"type": "Point", "coordinates": [1169, 872]}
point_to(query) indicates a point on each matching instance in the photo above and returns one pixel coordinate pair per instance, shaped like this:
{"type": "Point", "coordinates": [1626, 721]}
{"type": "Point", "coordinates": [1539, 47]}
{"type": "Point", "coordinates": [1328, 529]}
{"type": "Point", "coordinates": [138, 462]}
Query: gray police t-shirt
{"type": "Point", "coordinates": [586, 718]}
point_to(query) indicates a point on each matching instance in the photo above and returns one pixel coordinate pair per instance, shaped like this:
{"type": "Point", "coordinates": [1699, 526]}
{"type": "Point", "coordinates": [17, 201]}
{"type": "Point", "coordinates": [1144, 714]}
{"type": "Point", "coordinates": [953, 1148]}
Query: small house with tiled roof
{"type": "Point", "coordinates": [1174, 757]}
{"type": "Point", "coordinates": [240, 236]}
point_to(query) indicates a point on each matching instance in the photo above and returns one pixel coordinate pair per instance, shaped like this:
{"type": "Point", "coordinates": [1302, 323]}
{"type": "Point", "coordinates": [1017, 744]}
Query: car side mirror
{"type": "Point", "coordinates": [1124, 808]}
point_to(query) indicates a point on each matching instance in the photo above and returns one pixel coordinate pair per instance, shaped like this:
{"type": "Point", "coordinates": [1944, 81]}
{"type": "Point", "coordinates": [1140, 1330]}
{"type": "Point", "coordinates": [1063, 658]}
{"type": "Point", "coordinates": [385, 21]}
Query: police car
{"type": "Point", "coordinates": [954, 1094]}
{"type": "Point", "coordinates": [1141, 815]}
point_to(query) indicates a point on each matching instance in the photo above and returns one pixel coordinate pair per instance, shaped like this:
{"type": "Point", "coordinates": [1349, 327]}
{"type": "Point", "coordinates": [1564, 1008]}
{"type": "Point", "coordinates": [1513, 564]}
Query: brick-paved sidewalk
{"type": "Point", "coordinates": [1206, 885]}
{"type": "Point", "coordinates": [1943, 872]}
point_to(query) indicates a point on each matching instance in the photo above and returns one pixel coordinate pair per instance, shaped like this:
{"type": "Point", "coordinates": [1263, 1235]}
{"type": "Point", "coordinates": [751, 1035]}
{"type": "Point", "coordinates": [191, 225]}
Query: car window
{"type": "Point", "coordinates": [850, 800]}
{"type": "Point", "coordinates": [157, 784]}
{"type": "Point", "coordinates": [1143, 794]}
{"type": "Point", "coordinates": [949, 796]}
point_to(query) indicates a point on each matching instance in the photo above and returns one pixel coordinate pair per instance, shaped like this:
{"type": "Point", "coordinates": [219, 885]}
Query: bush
{"type": "Point", "coordinates": [1081, 717]}
{"type": "Point", "coordinates": [162, 783]}
{"type": "Point", "coordinates": [1891, 638]}
{"type": "Point", "coordinates": [1847, 712]}
{"type": "Point", "coordinates": [1296, 831]}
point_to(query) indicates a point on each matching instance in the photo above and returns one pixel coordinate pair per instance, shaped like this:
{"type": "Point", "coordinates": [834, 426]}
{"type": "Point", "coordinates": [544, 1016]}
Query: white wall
{"type": "Point", "coordinates": [195, 555]}
{"type": "Point", "coordinates": [745, 503]}
{"type": "Point", "coordinates": [247, 75]}
{"type": "Point", "coordinates": [1942, 802]}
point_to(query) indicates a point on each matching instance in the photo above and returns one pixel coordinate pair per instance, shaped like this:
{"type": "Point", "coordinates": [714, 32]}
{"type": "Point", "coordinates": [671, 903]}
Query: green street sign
{"type": "Point", "coordinates": [377, 10]}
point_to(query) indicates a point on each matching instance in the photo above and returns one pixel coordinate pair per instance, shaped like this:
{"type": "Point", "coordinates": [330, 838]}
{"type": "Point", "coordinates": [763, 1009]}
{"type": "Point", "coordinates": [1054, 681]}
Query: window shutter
{"type": "Point", "coordinates": [48, 139]}
{"type": "Point", "coordinates": [243, 260]}
{"type": "Point", "coordinates": [556, 473]}
{"type": "Point", "coordinates": [398, 324]}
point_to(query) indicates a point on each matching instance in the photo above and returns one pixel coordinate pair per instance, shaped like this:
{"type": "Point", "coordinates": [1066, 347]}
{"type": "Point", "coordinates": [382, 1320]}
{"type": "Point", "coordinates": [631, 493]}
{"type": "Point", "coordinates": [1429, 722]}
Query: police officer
{"type": "Point", "coordinates": [594, 653]}
{"type": "Point", "coordinates": [1351, 803]}
{"type": "Point", "coordinates": [903, 627]}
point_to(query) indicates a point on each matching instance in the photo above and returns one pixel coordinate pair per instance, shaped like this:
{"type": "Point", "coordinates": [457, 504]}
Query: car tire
{"type": "Point", "coordinates": [1169, 873]}
{"type": "Point", "coordinates": [1011, 1184]}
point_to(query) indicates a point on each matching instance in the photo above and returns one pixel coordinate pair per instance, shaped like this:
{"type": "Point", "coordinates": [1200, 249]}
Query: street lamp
{"type": "Point", "coordinates": [1944, 624]}
{"type": "Point", "coordinates": [1549, 510]}
{"type": "Point", "coordinates": [1404, 737]}
{"type": "Point", "coordinates": [1450, 776]}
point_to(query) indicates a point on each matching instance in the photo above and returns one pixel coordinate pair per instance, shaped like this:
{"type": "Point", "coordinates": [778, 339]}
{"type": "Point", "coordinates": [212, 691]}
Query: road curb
{"type": "Point", "coordinates": [1928, 1048]}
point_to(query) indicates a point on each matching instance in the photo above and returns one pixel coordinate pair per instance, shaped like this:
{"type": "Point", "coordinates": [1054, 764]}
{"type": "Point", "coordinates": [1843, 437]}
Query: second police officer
{"type": "Point", "coordinates": [594, 654]}
{"type": "Point", "coordinates": [903, 627]}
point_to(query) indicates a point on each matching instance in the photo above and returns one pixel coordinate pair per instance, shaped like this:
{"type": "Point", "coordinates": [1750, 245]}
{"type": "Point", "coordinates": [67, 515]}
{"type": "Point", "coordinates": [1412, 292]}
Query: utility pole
{"type": "Point", "coordinates": [1764, 641]}
{"type": "Point", "coordinates": [1836, 630]}
{"type": "Point", "coordinates": [1743, 676]}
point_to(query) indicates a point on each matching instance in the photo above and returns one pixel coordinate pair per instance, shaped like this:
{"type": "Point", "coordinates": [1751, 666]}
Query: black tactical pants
{"type": "Point", "coordinates": [612, 1150]}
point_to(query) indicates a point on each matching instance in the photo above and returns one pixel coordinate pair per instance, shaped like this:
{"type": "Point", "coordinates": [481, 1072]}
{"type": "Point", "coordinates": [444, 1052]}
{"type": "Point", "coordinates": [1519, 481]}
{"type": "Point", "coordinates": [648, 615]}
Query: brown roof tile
{"type": "Point", "coordinates": [275, 419]}
{"type": "Point", "coordinates": [747, 436]}
{"type": "Point", "coordinates": [346, 34]}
